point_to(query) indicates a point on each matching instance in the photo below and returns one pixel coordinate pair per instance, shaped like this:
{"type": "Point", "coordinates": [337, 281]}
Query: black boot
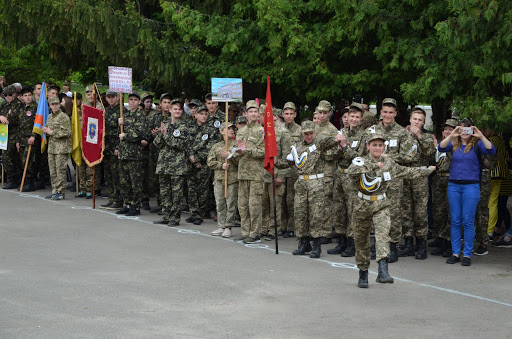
{"type": "Point", "coordinates": [29, 186]}
{"type": "Point", "coordinates": [363, 279]}
{"type": "Point", "coordinates": [304, 246]}
{"type": "Point", "coordinates": [10, 184]}
{"type": "Point", "coordinates": [342, 244]}
{"type": "Point", "coordinates": [317, 248]}
{"type": "Point", "coordinates": [393, 252]}
{"type": "Point", "coordinates": [408, 249]}
{"type": "Point", "coordinates": [350, 250]}
{"type": "Point", "coordinates": [421, 248]}
{"type": "Point", "coordinates": [383, 276]}
{"type": "Point", "coordinates": [133, 211]}
{"type": "Point", "coordinates": [123, 210]}
{"type": "Point", "coordinates": [448, 251]}
{"type": "Point", "coordinates": [325, 240]}
{"type": "Point", "coordinates": [442, 247]}
{"type": "Point", "coordinates": [436, 243]}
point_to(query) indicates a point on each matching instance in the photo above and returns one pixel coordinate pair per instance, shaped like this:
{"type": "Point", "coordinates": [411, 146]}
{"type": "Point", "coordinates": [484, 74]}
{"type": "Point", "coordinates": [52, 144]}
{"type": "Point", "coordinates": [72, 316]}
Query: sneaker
{"type": "Point", "coordinates": [107, 205]}
{"type": "Point", "coordinates": [250, 240]}
{"type": "Point", "coordinates": [80, 195]}
{"type": "Point", "coordinates": [226, 233]}
{"type": "Point", "coordinates": [50, 196]}
{"type": "Point", "coordinates": [240, 238]}
{"type": "Point", "coordinates": [58, 196]}
{"type": "Point", "coordinates": [466, 261]}
{"type": "Point", "coordinates": [453, 259]}
{"type": "Point", "coordinates": [116, 206]}
{"type": "Point", "coordinates": [289, 234]}
{"type": "Point", "coordinates": [269, 237]}
{"type": "Point", "coordinates": [88, 196]}
{"type": "Point", "coordinates": [218, 232]}
{"type": "Point", "coordinates": [481, 250]}
{"type": "Point", "coordinates": [501, 242]}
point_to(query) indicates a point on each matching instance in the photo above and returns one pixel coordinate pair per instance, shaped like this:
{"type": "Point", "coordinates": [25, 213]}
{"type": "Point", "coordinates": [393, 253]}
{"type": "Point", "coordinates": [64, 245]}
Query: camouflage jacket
{"type": "Point", "coordinates": [174, 148]}
{"type": "Point", "coordinates": [12, 111]}
{"type": "Point", "coordinates": [399, 142]}
{"type": "Point", "coordinates": [295, 135]}
{"type": "Point", "coordinates": [324, 130]}
{"type": "Point", "coordinates": [26, 123]}
{"type": "Point", "coordinates": [215, 161]}
{"type": "Point", "coordinates": [422, 150]}
{"type": "Point", "coordinates": [112, 130]}
{"type": "Point", "coordinates": [135, 129]}
{"type": "Point", "coordinates": [250, 165]}
{"type": "Point", "coordinates": [442, 161]}
{"type": "Point", "coordinates": [60, 140]}
{"type": "Point", "coordinates": [356, 145]}
{"type": "Point", "coordinates": [310, 158]}
{"type": "Point", "coordinates": [202, 140]}
{"type": "Point", "coordinates": [284, 144]}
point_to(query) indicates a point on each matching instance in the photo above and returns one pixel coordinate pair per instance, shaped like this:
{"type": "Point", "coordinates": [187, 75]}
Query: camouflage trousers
{"type": "Point", "coordinates": [267, 203]}
{"type": "Point", "coordinates": [172, 189]}
{"type": "Point", "coordinates": [226, 207]}
{"type": "Point", "coordinates": [58, 164]}
{"type": "Point", "coordinates": [23, 158]}
{"type": "Point", "coordinates": [394, 193]}
{"type": "Point", "coordinates": [85, 178]}
{"type": "Point", "coordinates": [145, 179]}
{"type": "Point", "coordinates": [11, 161]}
{"type": "Point", "coordinates": [198, 185]}
{"type": "Point", "coordinates": [365, 213]}
{"type": "Point", "coordinates": [111, 172]}
{"type": "Point", "coordinates": [328, 210]}
{"type": "Point", "coordinates": [343, 193]}
{"type": "Point", "coordinates": [414, 207]}
{"type": "Point", "coordinates": [309, 208]}
{"type": "Point", "coordinates": [131, 181]}
{"type": "Point", "coordinates": [482, 210]}
{"type": "Point", "coordinates": [249, 206]}
{"type": "Point", "coordinates": [153, 186]}
{"type": "Point", "coordinates": [288, 223]}
{"type": "Point", "coordinates": [440, 206]}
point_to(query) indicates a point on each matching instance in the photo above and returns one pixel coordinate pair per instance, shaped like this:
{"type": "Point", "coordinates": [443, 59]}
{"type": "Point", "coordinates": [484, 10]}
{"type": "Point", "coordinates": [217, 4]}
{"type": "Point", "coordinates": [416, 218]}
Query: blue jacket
{"type": "Point", "coordinates": [466, 166]}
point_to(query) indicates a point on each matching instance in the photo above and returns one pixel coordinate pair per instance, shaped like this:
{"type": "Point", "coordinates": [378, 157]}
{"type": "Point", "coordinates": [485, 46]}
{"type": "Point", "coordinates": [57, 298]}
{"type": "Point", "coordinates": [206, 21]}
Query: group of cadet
{"type": "Point", "coordinates": [368, 177]}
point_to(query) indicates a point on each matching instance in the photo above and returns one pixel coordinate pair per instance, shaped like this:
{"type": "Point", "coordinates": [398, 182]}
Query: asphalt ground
{"type": "Point", "coordinates": [67, 270]}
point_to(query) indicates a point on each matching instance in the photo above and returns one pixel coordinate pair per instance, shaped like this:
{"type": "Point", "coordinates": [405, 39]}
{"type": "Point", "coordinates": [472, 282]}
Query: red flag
{"type": "Point", "coordinates": [270, 136]}
{"type": "Point", "coordinates": [93, 135]}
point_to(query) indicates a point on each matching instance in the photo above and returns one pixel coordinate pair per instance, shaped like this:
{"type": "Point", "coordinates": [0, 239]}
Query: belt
{"type": "Point", "coordinates": [311, 177]}
{"type": "Point", "coordinates": [342, 171]}
{"type": "Point", "coordinates": [444, 174]}
{"type": "Point", "coordinates": [371, 197]}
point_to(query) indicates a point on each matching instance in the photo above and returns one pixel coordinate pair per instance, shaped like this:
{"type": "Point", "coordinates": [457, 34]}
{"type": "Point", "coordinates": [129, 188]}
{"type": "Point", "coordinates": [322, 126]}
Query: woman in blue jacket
{"type": "Point", "coordinates": [467, 146]}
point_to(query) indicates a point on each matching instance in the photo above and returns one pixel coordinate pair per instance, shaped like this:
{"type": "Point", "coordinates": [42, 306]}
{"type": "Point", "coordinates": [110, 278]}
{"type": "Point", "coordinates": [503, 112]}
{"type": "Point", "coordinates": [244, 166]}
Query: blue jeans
{"type": "Point", "coordinates": [463, 200]}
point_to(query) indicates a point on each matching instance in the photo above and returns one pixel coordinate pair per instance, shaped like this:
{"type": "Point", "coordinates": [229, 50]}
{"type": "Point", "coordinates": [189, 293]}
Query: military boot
{"type": "Point", "coordinates": [133, 211]}
{"type": "Point", "coordinates": [317, 248]}
{"type": "Point", "coordinates": [342, 244]}
{"type": "Point", "coordinates": [441, 248]}
{"type": "Point", "coordinates": [123, 210]}
{"type": "Point", "coordinates": [10, 184]}
{"type": "Point", "coordinates": [393, 252]}
{"type": "Point", "coordinates": [448, 251]}
{"type": "Point", "coordinates": [350, 250]}
{"type": "Point", "coordinates": [363, 279]}
{"type": "Point", "coordinates": [421, 248]}
{"type": "Point", "coordinates": [383, 276]}
{"type": "Point", "coordinates": [304, 246]}
{"type": "Point", "coordinates": [408, 249]}
{"type": "Point", "coordinates": [29, 186]}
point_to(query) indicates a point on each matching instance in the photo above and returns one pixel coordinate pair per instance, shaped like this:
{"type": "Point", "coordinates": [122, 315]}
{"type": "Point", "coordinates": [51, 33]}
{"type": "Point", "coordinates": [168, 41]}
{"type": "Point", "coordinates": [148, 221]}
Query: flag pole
{"type": "Point", "coordinates": [121, 104]}
{"type": "Point", "coordinates": [275, 209]}
{"type": "Point", "coordinates": [25, 169]}
{"type": "Point", "coordinates": [226, 149]}
{"type": "Point", "coordinates": [76, 178]}
{"type": "Point", "coordinates": [95, 93]}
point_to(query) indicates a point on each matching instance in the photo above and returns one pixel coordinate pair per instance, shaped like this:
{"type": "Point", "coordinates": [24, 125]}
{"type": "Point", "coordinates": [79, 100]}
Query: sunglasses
{"type": "Point", "coordinates": [8, 94]}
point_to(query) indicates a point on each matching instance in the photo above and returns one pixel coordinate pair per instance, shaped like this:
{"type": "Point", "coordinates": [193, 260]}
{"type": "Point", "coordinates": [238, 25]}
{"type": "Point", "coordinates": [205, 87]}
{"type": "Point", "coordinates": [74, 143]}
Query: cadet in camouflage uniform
{"type": "Point", "coordinates": [173, 140]}
{"type": "Point", "coordinates": [307, 157]}
{"type": "Point", "coordinates": [287, 227]}
{"type": "Point", "coordinates": [343, 189]}
{"type": "Point", "coordinates": [215, 116]}
{"type": "Point", "coordinates": [226, 206]}
{"type": "Point", "coordinates": [487, 162]}
{"type": "Point", "coordinates": [26, 136]}
{"type": "Point", "coordinates": [149, 175]}
{"type": "Point", "coordinates": [110, 153]}
{"type": "Point", "coordinates": [415, 192]}
{"type": "Point", "coordinates": [372, 175]}
{"type": "Point", "coordinates": [440, 197]}
{"type": "Point", "coordinates": [399, 145]}
{"type": "Point", "coordinates": [85, 173]}
{"type": "Point", "coordinates": [281, 168]}
{"type": "Point", "coordinates": [131, 156]}
{"type": "Point", "coordinates": [250, 175]}
{"type": "Point", "coordinates": [203, 137]}
{"type": "Point", "coordinates": [323, 130]}
{"type": "Point", "coordinates": [58, 130]}
{"type": "Point", "coordinates": [10, 111]}
{"type": "Point", "coordinates": [89, 97]}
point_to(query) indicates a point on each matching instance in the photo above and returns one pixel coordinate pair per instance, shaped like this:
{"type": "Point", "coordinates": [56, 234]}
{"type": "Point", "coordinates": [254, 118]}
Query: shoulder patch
{"type": "Point", "coordinates": [176, 133]}
{"type": "Point", "coordinates": [216, 123]}
{"type": "Point", "coordinates": [204, 137]}
{"type": "Point", "coordinates": [358, 161]}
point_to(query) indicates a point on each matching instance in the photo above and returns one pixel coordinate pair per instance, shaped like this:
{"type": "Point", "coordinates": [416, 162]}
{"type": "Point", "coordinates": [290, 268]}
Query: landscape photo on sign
{"type": "Point", "coordinates": [227, 89]}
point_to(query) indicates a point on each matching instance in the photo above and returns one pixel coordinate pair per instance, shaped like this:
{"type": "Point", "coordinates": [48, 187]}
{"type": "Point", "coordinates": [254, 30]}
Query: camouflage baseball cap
{"type": "Point", "coordinates": [289, 105]}
{"type": "Point", "coordinates": [195, 102]}
{"type": "Point", "coordinates": [89, 88]}
{"type": "Point", "coordinates": [451, 122]}
{"type": "Point", "coordinates": [134, 94]}
{"type": "Point", "coordinates": [109, 92]}
{"type": "Point", "coordinates": [389, 101]}
{"type": "Point", "coordinates": [251, 104]}
{"type": "Point", "coordinates": [307, 126]}
{"type": "Point", "coordinates": [278, 112]}
{"type": "Point", "coordinates": [223, 125]}
{"type": "Point", "coordinates": [146, 96]}
{"type": "Point", "coordinates": [376, 135]}
{"type": "Point", "coordinates": [165, 96]}
{"type": "Point", "coordinates": [176, 100]}
{"type": "Point", "coordinates": [324, 105]}
{"type": "Point", "coordinates": [201, 108]}
{"type": "Point", "coordinates": [262, 109]}
{"type": "Point", "coordinates": [241, 120]}
{"type": "Point", "coordinates": [9, 89]}
{"type": "Point", "coordinates": [356, 105]}
{"type": "Point", "coordinates": [53, 100]}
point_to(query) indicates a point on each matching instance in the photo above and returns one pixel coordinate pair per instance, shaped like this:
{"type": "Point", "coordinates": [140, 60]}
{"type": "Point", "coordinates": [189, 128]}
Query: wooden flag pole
{"type": "Point", "coordinates": [76, 178]}
{"type": "Point", "coordinates": [226, 149]}
{"type": "Point", "coordinates": [94, 167]}
{"type": "Point", "coordinates": [121, 104]}
{"type": "Point", "coordinates": [25, 169]}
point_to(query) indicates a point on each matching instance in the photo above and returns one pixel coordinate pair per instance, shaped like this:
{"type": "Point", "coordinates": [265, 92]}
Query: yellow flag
{"type": "Point", "coordinates": [76, 134]}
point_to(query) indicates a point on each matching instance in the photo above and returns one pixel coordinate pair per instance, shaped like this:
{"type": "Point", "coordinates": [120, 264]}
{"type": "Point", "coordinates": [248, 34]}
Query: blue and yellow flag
{"type": "Point", "coordinates": [76, 134]}
{"type": "Point", "coordinates": [41, 117]}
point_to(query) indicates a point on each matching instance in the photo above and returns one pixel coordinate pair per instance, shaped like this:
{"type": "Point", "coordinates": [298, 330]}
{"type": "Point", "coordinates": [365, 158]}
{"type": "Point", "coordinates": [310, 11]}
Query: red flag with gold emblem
{"type": "Point", "coordinates": [93, 135]}
{"type": "Point", "coordinates": [270, 135]}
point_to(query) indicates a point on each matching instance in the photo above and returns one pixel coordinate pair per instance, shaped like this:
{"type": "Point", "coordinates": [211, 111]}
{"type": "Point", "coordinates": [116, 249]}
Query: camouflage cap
{"type": "Point", "coordinates": [109, 92]}
{"type": "Point", "coordinates": [146, 96]}
{"type": "Point", "coordinates": [223, 125]}
{"type": "Point", "coordinates": [26, 89]}
{"type": "Point", "coordinates": [195, 102]}
{"type": "Point", "coordinates": [307, 126]}
{"type": "Point", "coordinates": [262, 109]}
{"type": "Point", "coordinates": [53, 100]}
{"type": "Point", "coordinates": [134, 94]}
{"type": "Point", "coordinates": [201, 108]}
{"type": "Point", "coordinates": [451, 122]}
{"type": "Point", "coordinates": [389, 101]}
{"type": "Point", "coordinates": [176, 100]}
{"type": "Point", "coordinates": [251, 104]}
{"type": "Point", "coordinates": [376, 135]}
{"type": "Point", "coordinates": [17, 85]}
{"type": "Point", "coordinates": [9, 89]}
{"type": "Point", "coordinates": [89, 88]}
{"type": "Point", "coordinates": [356, 105]}
{"type": "Point", "coordinates": [165, 96]}
{"type": "Point", "coordinates": [289, 105]}
{"type": "Point", "coordinates": [278, 112]}
{"type": "Point", "coordinates": [324, 105]}
{"type": "Point", "coordinates": [241, 120]}
{"type": "Point", "coordinates": [369, 119]}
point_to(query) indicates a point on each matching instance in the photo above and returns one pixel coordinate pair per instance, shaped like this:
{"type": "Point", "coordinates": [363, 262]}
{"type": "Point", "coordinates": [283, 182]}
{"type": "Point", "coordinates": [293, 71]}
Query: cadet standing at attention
{"type": "Point", "coordinates": [27, 137]}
